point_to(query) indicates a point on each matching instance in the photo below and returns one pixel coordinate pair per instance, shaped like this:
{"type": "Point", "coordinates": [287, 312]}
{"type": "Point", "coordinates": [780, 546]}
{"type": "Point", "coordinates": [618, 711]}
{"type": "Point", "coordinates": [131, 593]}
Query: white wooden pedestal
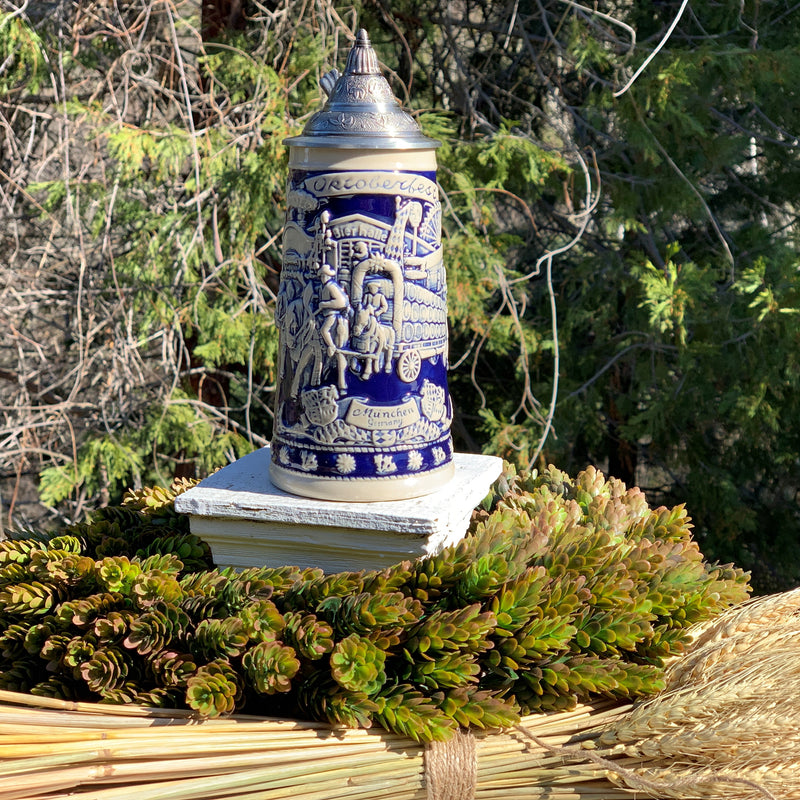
{"type": "Point", "coordinates": [248, 522]}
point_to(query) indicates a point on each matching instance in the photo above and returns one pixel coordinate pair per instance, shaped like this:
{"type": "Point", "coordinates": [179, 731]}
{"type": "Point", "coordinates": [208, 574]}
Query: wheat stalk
{"type": "Point", "coordinates": [779, 781]}
{"type": "Point", "coordinates": [758, 614]}
{"type": "Point", "coordinates": [702, 662]}
{"type": "Point", "coordinates": [754, 683]}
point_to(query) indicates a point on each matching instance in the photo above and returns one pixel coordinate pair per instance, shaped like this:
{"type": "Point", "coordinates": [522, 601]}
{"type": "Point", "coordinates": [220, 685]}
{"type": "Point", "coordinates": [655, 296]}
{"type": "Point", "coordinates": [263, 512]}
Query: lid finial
{"type": "Point", "coordinates": [362, 59]}
{"type": "Point", "coordinates": [362, 111]}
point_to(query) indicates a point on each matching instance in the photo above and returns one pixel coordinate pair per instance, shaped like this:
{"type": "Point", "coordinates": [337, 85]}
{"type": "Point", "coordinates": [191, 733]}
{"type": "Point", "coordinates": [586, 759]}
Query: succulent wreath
{"type": "Point", "coordinates": [563, 591]}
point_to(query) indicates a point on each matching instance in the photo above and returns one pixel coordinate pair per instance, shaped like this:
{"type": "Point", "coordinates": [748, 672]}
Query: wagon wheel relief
{"type": "Point", "coordinates": [408, 366]}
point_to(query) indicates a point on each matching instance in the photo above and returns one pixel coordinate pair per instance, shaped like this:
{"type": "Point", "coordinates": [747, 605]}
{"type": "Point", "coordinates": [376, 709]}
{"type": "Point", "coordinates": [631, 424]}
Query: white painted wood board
{"type": "Point", "coordinates": [248, 521]}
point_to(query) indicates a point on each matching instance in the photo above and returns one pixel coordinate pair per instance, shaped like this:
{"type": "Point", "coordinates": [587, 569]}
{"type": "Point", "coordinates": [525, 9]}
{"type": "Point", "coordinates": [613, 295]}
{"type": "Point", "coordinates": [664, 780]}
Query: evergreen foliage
{"type": "Point", "coordinates": [562, 590]}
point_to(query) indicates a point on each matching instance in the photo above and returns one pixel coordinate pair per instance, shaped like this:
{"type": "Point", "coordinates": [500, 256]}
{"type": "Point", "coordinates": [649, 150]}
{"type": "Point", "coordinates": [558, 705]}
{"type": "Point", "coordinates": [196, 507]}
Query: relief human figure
{"type": "Point", "coordinates": [324, 328]}
{"type": "Point", "coordinates": [309, 353]}
{"type": "Point", "coordinates": [333, 308]}
{"type": "Point", "coordinates": [374, 301]}
{"type": "Point", "coordinates": [333, 305]}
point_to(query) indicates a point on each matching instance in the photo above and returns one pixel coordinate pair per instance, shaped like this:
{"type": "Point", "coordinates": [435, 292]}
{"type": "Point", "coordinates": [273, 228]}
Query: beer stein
{"type": "Point", "coordinates": [362, 410]}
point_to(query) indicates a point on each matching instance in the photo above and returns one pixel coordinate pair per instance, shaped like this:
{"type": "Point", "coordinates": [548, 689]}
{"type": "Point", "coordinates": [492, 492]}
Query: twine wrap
{"type": "Point", "coordinates": [451, 768]}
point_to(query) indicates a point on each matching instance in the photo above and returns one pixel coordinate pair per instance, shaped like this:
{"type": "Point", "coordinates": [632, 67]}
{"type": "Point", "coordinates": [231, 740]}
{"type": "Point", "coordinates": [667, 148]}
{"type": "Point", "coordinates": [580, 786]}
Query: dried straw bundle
{"type": "Point", "coordinates": [50, 752]}
{"type": "Point", "coordinates": [727, 727]}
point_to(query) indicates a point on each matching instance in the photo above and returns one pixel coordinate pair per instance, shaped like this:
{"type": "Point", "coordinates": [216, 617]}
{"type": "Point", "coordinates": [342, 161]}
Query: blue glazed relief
{"type": "Point", "coordinates": [362, 390]}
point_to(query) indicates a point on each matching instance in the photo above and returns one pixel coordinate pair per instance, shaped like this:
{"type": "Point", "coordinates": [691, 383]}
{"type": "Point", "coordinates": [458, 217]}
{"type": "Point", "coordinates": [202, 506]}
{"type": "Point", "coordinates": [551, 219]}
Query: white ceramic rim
{"type": "Point", "coordinates": [339, 159]}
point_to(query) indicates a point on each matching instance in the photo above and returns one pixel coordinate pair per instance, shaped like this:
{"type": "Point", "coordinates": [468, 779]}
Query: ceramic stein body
{"type": "Point", "coordinates": [362, 409]}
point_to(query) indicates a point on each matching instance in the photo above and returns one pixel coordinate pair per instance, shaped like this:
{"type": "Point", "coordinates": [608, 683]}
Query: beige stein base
{"type": "Point", "coordinates": [362, 490]}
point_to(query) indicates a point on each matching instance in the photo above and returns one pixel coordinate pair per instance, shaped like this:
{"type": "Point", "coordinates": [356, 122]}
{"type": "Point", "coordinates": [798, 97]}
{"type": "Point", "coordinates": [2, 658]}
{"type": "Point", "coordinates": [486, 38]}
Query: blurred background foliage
{"type": "Point", "coordinates": [622, 257]}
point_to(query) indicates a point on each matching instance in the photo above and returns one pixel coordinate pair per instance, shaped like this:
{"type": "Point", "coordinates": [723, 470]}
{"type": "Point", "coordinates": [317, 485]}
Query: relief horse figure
{"type": "Point", "coordinates": [373, 341]}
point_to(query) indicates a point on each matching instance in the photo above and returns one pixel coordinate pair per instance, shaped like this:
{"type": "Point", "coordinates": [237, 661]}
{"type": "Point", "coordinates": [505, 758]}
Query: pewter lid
{"type": "Point", "coordinates": [361, 112]}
